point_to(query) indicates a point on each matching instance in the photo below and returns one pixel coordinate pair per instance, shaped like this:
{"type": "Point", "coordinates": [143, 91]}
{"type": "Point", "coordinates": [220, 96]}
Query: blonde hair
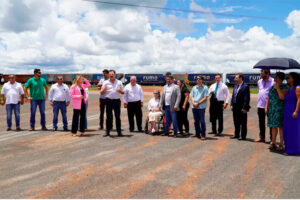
{"type": "Point", "coordinates": [76, 79]}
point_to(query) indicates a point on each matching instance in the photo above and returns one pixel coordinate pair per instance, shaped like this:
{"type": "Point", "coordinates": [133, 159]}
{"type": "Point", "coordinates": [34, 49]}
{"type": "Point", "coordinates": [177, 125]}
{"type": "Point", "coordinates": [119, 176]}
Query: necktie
{"type": "Point", "coordinates": [216, 90]}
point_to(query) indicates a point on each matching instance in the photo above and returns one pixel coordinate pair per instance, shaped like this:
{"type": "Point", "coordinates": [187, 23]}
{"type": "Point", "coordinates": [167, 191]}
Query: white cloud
{"type": "Point", "coordinates": [83, 37]}
{"type": "Point", "coordinates": [293, 21]}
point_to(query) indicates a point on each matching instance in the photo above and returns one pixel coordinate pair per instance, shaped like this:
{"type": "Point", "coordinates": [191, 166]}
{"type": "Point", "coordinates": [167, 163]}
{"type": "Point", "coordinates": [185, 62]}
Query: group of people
{"type": "Point", "coordinates": [278, 101]}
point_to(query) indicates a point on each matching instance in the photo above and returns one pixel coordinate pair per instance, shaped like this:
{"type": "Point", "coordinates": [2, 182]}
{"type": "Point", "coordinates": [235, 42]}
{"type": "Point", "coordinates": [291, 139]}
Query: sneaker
{"type": "Point", "coordinates": [153, 130]}
{"type": "Point", "coordinates": [31, 128]}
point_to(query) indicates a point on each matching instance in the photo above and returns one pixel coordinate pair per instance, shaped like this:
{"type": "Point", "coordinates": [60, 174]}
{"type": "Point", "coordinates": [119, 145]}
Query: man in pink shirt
{"type": "Point", "coordinates": [263, 85]}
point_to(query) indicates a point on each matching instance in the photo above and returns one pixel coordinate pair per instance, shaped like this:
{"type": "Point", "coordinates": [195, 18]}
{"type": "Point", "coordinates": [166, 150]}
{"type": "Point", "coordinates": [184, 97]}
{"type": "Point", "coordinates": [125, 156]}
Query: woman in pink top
{"type": "Point", "coordinates": [79, 99]}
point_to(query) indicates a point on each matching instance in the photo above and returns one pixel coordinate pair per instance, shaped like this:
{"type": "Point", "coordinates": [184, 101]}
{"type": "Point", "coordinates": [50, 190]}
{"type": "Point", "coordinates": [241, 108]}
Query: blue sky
{"type": "Point", "coordinates": [279, 9]}
{"type": "Point", "coordinates": [80, 36]}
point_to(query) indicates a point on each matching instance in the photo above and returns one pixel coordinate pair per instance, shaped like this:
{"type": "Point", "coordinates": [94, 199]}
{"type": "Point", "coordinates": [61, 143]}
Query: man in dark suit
{"type": "Point", "coordinates": [240, 106]}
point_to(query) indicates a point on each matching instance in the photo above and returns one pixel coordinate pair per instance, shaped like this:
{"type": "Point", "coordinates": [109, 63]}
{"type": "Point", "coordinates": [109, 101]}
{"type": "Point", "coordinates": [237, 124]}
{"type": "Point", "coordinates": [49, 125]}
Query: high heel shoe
{"type": "Point", "coordinates": [272, 147]}
{"type": "Point", "coordinates": [280, 148]}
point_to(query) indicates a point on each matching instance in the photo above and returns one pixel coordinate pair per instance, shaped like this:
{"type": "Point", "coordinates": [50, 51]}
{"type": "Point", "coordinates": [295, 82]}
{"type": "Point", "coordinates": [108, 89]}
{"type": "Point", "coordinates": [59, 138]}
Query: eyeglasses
{"type": "Point", "coordinates": [60, 79]}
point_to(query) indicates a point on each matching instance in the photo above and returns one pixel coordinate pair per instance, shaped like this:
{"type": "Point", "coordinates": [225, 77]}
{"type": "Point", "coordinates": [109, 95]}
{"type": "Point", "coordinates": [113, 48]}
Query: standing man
{"type": "Point", "coordinates": [59, 97]}
{"type": "Point", "coordinates": [102, 100]}
{"type": "Point", "coordinates": [112, 89]}
{"type": "Point", "coordinates": [134, 101]}
{"type": "Point", "coordinates": [37, 97]}
{"type": "Point", "coordinates": [169, 102]}
{"type": "Point", "coordinates": [240, 106]}
{"type": "Point", "coordinates": [14, 94]}
{"type": "Point", "coordinates": [263, 85]}
{"type": "Point", "coordinates": [199, 96]}
{"type": "Point", "coordinates": [219, 93]}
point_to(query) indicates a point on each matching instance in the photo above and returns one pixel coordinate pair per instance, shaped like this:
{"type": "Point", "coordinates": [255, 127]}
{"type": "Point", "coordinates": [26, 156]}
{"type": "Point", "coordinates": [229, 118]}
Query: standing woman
{"type": "Point", "coordinates": [291, 120]}
{"type": "Point", "coordinates": [79, 100]}
{"type": "Point", "coordinates": [274, 108]}
{"type": "Point", "coordinates": [184, 105]}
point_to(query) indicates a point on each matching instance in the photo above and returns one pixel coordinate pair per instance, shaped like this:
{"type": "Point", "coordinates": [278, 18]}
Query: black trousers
{"type": "Point", "coordinates": [75, 120]}
{"type": "Point", "coordinates": [262, 124]}
{"type": "Point", "coordinates": [240, 122]}
{"type": "Point", "coordinates": [102, 104]}
{"type": "Point", "coordinates": [182, 119]}
{"type": "Point", "coordinates": [216, 113]}
{"type": "Point", "coordinates": [134, 109]}
{"type": "Point", "coordinates": [113, 105]}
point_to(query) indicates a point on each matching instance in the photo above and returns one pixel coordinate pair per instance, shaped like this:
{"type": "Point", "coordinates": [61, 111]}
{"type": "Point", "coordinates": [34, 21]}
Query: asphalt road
{"type": "Point", "coordinates": [46, 164]}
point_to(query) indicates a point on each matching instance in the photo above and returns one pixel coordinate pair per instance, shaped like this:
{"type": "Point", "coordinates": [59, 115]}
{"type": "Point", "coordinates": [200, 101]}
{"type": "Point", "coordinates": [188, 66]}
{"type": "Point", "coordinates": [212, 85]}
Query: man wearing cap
{"type": "Point", "coordinates": [134, 101]}
{"type": "Point", "coordinates": [218, 102]}
{"type": "Point", "coordinates": [14, 94]}
{"type": "Point", "coordinates": [59, 99]}
{"type": "Point", "coordinates": [199, 96]}
{"type": "Point", "coordinates": [169, 102]}
{"type": "Point", "coordinates": [37, 97]}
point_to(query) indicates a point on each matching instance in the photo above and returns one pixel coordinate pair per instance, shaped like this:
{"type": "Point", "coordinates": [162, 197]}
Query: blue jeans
{"type": "Point", "coordinates": [57, 105]}
{"type": "Point", "coordinates": [171, 116]}
{"type": "Point", "coordinates": [33, 105]}
{"type": "Point", "coordinates": [199, 117]}
{"type": "Point", "coordinates": [9, 109]}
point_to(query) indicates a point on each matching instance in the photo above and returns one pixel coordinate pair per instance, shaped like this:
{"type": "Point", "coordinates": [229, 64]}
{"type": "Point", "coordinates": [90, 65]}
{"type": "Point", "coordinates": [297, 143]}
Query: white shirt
{"type": "Point", "coordinates": [168, 94]}
{"type": "Point", "coordinates": [221, 93]}
{"type": "Point", "coordinates": [59, 93]}
{"type": "Point", "coordinates": [111, 92]}
{"type": "Point", "coordinates": [153, 103]}
{"type": "Point", "coordinates": [133, 93]}
{"type": "Point", "coordinates": [12, 92]}
{"type": "Point", "coordinates": [102, 96]}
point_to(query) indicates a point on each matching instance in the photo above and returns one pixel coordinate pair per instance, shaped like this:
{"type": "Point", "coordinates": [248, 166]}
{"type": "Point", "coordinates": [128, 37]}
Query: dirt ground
{"type": "Point", "coordinates": [47, 164]}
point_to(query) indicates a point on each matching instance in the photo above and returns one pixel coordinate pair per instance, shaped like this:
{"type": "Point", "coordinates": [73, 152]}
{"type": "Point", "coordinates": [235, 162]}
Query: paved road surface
{"type": "Point", "coordinates": [55, 165]}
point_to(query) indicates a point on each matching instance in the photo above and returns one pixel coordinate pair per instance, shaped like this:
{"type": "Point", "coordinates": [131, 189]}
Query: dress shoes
{"type": "Point", "coordinates": [120, 134]}
{"type": "Point", "coordinates": [106, 134]}
{"type": "Point", "coordinates": [234, 137]}
{"type": "Point", "coordinates": [260, 140]}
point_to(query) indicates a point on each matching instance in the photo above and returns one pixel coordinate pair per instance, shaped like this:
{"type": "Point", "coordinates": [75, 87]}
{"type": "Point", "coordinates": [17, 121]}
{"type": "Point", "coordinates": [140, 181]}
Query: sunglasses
{"type": "Point", "coordinates": [60, 79]}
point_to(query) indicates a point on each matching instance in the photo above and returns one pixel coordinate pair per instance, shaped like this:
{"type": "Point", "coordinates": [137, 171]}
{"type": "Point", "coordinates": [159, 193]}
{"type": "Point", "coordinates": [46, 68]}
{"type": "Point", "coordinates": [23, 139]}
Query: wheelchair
{"type": "Point", "coordinates": [160, 125]}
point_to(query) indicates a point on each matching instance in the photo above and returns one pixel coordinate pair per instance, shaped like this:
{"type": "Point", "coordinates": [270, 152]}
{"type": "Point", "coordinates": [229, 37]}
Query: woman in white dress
{"type": "Point", "coordinates": [154, 111]}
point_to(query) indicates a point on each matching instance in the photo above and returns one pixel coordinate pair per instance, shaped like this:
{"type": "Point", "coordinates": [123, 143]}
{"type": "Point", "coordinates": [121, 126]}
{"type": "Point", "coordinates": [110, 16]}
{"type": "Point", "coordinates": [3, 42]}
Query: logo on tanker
{"type": "Point", "coordinates": [254, 78]}
{"type": "Point", "coordinates": [150, 78]}
{"type": "Point", "coordinates": [206, 77]}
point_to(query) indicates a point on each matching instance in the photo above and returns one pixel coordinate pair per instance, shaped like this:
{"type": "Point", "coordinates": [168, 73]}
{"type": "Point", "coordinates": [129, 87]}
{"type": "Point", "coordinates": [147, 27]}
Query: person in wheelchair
{"type": "Point", "coordinates": [155, 113]}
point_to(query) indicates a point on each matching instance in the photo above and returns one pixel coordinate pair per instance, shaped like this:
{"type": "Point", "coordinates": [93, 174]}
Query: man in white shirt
{"type": "Point", "coordinates": [59, 99]}
{"type": "Point", "coordinates": [102, 99]}
{"type": "Point", "coordinates": [134, 101]}
{"type": "Point", "coordinates": [14, 97]}
{"type": "Point", "coordinates": [112, 89]}
{"type": "Point", "coordinates": [218, 102]}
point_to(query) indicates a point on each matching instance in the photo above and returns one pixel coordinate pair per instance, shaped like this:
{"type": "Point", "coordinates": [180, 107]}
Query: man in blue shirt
{"type": "Point", "coordinates": [199, 97]}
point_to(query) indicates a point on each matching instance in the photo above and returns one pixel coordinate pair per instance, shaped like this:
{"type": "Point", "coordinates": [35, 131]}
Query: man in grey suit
{"type": "Point", "coordinates": [169, 101]}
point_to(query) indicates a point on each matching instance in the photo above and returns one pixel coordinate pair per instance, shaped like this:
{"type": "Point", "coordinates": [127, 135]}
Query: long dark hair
{"type": "Point", "coordinates": [296, 78]}
{"type": "Point", "coordinates": [183, 85]}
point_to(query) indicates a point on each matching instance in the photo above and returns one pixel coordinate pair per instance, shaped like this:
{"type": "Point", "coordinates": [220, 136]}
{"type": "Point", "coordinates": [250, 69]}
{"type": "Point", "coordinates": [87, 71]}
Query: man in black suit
{"type": "Point", "coordinates": [240, 106]}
